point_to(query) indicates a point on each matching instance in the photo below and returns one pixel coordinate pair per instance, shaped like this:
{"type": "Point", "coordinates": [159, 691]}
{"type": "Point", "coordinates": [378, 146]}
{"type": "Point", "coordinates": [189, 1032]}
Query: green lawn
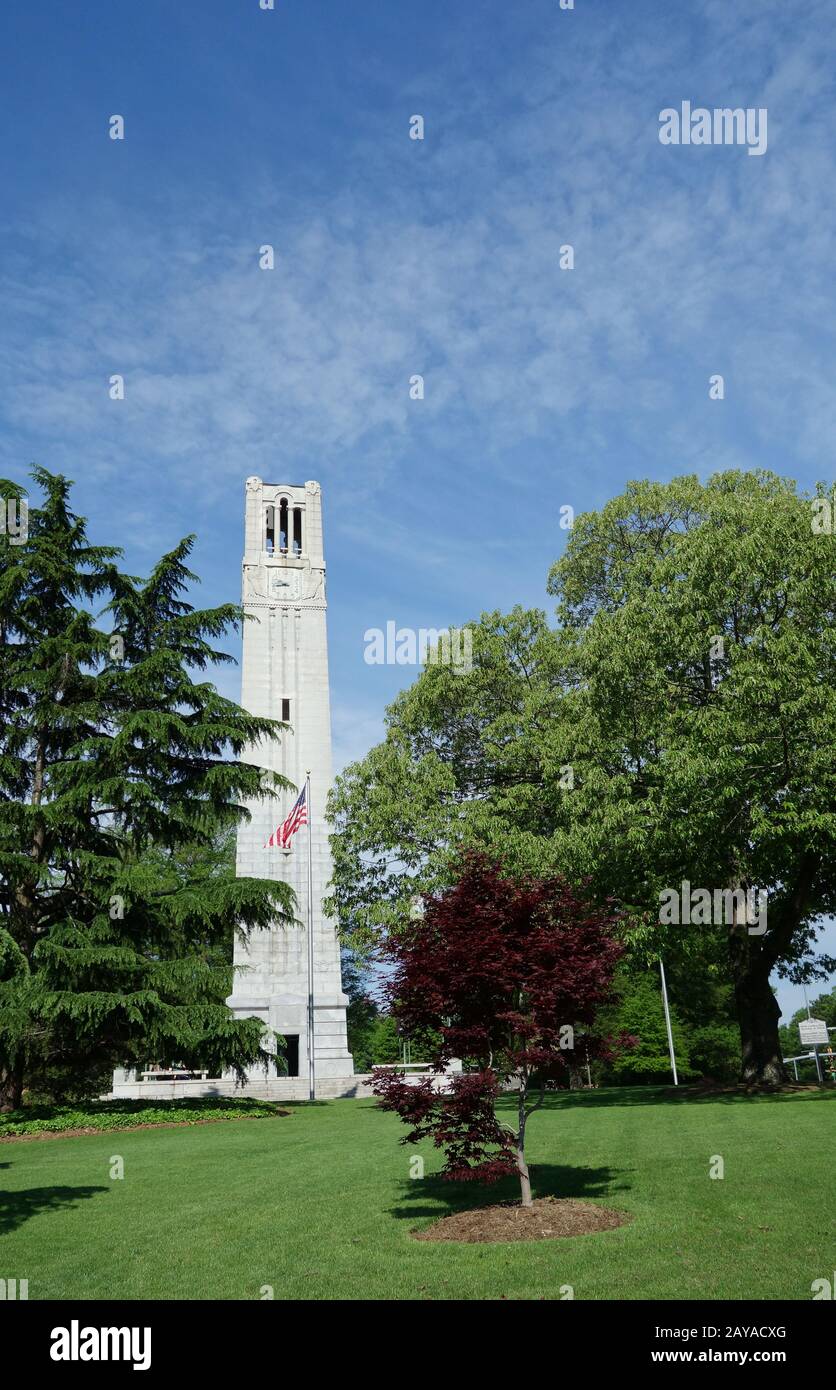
{"type": "Point", "coordinates": [320, 1205]}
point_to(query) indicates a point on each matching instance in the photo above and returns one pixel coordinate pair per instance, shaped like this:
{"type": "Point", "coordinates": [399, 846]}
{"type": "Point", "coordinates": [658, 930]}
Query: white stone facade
{"type": "Point", "coordinates": [128, 1086]}
{"type": "Point", "coordinates": [285, 659]}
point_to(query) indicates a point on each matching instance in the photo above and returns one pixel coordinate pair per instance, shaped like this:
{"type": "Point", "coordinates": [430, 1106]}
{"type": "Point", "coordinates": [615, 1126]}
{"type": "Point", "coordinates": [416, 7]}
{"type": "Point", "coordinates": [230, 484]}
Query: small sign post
{"type": "Point", "coordinates": [813, 1032]}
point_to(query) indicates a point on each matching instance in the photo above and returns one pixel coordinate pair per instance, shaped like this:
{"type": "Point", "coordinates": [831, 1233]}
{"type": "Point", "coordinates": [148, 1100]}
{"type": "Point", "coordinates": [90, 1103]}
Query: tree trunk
{"type": "Point", "coordinates": [11, 1089]}
{"type": "Point", "coordinates": [522, 1166]}
{"type": "Point", "coordinates": [752, 956]}
{"type": "Point", "coordinates": [758, 1014]}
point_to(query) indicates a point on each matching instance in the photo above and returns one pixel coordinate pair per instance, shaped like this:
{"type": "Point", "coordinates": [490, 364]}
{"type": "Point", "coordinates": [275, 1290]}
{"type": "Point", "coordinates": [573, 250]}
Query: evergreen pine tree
{"type": "Point", "coordinates": [120, 771]}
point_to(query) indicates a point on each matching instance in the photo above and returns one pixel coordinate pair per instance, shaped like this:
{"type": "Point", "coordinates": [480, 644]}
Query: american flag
{"type": "Point", "coordinates": [297, 816]}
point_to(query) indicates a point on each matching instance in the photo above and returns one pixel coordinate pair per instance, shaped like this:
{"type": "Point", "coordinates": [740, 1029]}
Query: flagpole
{"type": "Point", "coordinates": [668, 1022]}
{"type": "Point", "coordinates": [311, 1068]}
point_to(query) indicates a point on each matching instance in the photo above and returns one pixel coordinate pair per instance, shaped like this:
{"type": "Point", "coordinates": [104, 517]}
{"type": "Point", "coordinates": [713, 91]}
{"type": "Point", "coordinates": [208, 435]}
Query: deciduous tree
{"type": "Point", "coordinates": [505, 972]}
{"type": "Point", "coordinates": [679, 723]}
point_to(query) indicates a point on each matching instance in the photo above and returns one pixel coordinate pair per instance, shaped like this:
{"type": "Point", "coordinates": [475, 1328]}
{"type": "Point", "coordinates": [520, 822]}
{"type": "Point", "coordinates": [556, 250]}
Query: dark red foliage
{"type": "Point", "coordinates": [462, 1121]}
{"type": "Point", "coordinates": [500, 969]}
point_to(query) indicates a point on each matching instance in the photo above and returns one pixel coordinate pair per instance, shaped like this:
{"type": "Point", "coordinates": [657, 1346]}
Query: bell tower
{"type": "Point", "coordinates": [285, 676]}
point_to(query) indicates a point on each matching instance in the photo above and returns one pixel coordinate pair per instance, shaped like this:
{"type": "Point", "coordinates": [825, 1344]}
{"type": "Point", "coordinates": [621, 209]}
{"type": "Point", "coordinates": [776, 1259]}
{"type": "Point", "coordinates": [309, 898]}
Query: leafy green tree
{"type": "Point", "coordinates": [119, 770]}
{"type": "Point", "coordinates": [703, 998]}
{"type": "Point", "coordinates": [706, 1037]}
{"type": "Point", "coordinates": [465, 763]}
{"type": "Point", "coordinates": [714, 1048]}
{"type": "Point", "coordinates": [640, 1013]}
{"type": "Point", "coordinates": [823, 1007]}
{"type": "Point", "coordinates": [678, 725]}
{"type": "Point", "coordinates": [385, 1043]}
{"type": "Point", "coordinates": [362, 1012]}
{"type": "Point", "coordinates": [697, 632]}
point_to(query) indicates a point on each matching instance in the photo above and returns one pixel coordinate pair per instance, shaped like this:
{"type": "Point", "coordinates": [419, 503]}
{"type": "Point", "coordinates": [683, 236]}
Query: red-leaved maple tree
{"type": "Point", "coordinates": [505, 972]}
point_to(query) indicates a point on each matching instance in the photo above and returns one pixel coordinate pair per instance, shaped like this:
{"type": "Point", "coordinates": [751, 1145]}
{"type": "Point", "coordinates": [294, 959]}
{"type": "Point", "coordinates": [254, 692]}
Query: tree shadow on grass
{"type": "Point", "coordinates": [547, 1180]}
{"type": "Point", "coordinates": [17, 1207]}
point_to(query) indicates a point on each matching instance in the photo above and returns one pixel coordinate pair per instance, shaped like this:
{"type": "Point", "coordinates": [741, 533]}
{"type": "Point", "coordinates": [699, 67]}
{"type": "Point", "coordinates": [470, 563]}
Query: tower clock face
{"type": "Point", "coordinates": [285, 584]}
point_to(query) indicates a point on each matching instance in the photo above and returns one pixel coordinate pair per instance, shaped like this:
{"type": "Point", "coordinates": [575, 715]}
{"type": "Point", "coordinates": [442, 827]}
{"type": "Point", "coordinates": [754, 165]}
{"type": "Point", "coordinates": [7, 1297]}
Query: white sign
{"type": "Point", "coordinates": [813, 1031]}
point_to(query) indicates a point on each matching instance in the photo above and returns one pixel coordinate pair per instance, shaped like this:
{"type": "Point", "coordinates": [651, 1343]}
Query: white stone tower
{"type": "Point", "coordinates": [285, 676]}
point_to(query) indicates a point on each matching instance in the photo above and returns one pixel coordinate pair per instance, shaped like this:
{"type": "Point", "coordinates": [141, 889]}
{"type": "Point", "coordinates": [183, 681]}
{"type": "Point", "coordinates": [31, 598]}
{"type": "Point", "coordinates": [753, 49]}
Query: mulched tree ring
{"type": "Point", "coordinates": [548, 1218]}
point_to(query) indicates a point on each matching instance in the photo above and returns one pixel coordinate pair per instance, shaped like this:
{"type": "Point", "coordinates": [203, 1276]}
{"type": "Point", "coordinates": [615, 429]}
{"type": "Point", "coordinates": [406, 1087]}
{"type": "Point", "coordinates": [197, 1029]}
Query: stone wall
{"type": "Point", "coordinates": [126, 1087]}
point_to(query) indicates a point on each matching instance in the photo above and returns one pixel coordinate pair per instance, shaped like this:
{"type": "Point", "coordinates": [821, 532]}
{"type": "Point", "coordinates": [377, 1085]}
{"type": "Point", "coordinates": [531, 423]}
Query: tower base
{"type": "Point", "coordinates": [128, 1085]}
{"type": "Point", "coordinates": [287, 1014]}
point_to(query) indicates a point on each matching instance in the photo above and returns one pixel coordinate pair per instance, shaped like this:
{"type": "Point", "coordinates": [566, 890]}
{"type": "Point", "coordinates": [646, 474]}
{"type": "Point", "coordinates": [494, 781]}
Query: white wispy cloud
{"type": "Point", "coordinates": [679, 269]}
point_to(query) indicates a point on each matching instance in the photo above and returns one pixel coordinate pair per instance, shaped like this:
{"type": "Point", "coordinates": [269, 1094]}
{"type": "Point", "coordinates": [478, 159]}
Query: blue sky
{"type": "Point", "coordinates": [396, 257]}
